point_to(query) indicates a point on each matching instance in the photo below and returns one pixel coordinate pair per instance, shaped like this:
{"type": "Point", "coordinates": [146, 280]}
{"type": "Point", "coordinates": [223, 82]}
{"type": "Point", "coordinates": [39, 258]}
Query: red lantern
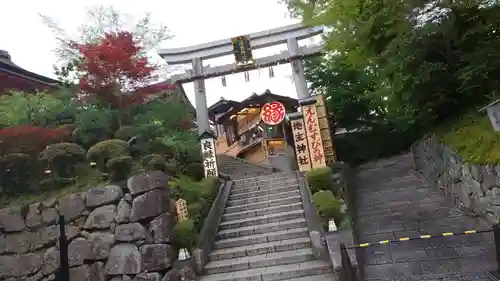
{"type": "Point", "coordinates": [272, 113]}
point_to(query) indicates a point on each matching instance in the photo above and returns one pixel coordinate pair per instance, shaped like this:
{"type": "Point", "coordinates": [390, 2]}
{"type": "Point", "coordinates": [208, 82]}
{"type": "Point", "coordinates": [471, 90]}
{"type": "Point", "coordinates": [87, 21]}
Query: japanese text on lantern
{"type": "Point", "coordinates": [314, 136]}
{"type": "Point", "coordinates": [272, 113]}
{"type": "Point", "coordinates": [301, 147]}
{"type": "Point", "coordinates": [209, 158]}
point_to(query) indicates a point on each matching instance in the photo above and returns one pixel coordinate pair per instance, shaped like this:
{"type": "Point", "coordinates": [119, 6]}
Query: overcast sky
{"type": "Point", "coordinates": [30, 43]}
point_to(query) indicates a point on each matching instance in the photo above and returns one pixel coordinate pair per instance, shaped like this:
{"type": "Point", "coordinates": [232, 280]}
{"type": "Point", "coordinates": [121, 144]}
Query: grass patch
{"type": "Point", "coordinates": [472, 137]}
{"type": "Point", "coordinates": [87, 180]}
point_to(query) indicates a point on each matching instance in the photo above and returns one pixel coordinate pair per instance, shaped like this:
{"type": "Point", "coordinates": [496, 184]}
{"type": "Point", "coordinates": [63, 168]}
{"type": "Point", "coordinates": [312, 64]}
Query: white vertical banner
{"type": "Point", "coordinates": [209, 157]}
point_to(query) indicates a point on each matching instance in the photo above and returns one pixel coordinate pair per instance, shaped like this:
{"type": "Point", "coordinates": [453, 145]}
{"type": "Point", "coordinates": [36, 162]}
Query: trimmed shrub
{"type": "Point", "coordinates": [153, 162]}
{"type": "Point", "coordinates": [119, 168]}
{"type": "Point", "coordinates": [209, 186]}
{"type": "Point", "coordinates": [320, 179]}
{"type": "Point", "coordinates": [195, 170]}
{"type": "Point", "coordinates": [157, 146]}
{"type": "Point", "coordinates": [171, 167]}
{"type": "Point", "coordinates": [197, 212]}
{"type": "Point", "coordinates": [101, 152]}
{"type": "Point", "coordinates": [124, 133]}
{"type": "Point", "coordinates": [68, 127]}
{"type": "Point", "coordinates": [16, 171]}
{"type": "Point", "coordinates": [327, 207]}
{"type": "Point", "coordinates": [184, 234]}
{"type": "Point", "coordinates": [62, 158]}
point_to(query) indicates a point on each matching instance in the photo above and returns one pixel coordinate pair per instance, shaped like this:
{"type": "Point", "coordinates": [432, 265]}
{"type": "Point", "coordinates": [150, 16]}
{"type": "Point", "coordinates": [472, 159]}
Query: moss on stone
{"type": "Point", "coordinates": [472, 136]}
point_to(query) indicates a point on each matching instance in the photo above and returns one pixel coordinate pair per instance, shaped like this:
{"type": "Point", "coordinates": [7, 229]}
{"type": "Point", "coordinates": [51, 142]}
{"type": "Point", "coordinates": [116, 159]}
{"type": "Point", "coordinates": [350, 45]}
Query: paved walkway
{"type": "Point", "coordinates": [393, 202]}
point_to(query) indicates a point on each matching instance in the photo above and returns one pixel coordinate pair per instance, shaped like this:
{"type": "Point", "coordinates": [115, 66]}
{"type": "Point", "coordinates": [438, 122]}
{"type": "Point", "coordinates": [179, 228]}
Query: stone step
{"type": "Point", "coordinates": [263, 204]}
{"type": "Point", "coordinates": [272, 273]}
{"type": "Point", "coordinates": [259, 261]}
{"type": "Point", "coordinates": [267, 191]}
{"type": "Point", "coordinates": [263, 186]}
{"type": "Point", "coordinates": [258, 180]}
{"type": "Point", "coordinates": [261, 238]}
{"type": "Point", "coordinates": [277, 217]}
{"type": "Point", "coordinates": [261, 228]}
{"type": "Point", "coordinates": [262, 212]}
{"type": "Point", "coordinates": [253, 249]}
{"type": "Point", "coordinates": [258, 172]}
{"type": "Point", "coordinates": [322, 277]}
{"type": "Point", "coordinates": [262, 198]}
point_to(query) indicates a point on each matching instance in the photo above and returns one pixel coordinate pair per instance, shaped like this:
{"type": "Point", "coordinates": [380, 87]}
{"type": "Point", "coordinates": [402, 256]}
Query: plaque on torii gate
{"type": "Point", "coordinates": [241, 47]}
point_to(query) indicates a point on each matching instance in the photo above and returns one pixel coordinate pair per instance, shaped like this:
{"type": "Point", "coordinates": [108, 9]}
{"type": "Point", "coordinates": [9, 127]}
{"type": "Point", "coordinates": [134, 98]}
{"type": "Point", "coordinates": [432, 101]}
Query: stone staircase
{"type": "Point", "coordinates": [263, 234]}
{"type": "Point", "coordinates": [239, 168]}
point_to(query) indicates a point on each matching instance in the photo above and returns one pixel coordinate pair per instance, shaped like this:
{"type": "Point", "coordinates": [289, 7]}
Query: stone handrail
{"type": "Point", "coordinates": [315, 230]}
{"type": "Point", "coordinates": [211, 223]}
{"type": "Point", "coordinates": [345, 236]}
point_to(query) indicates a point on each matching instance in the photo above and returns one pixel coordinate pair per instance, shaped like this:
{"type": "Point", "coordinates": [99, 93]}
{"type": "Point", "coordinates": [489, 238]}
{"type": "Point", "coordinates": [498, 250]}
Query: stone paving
{"type": "Point", "coordinates": [393, 201]}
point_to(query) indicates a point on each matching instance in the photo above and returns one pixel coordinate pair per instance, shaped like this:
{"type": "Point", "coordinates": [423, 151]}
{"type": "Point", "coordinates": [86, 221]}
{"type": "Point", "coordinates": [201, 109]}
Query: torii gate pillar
{"type": "Point", "coordinates": [200, 98]}
{"type": "Point", "coordinates": [299, 78]}
{"type": "Point", "coordinates": [196, 54]}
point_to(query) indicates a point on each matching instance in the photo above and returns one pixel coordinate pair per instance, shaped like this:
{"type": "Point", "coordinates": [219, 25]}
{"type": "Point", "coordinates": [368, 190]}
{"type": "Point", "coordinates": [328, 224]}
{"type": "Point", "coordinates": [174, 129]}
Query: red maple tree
{"type": "Point", "coordinates": [113, 70]}
{"type": "Point", "coordinates": [30, 139]}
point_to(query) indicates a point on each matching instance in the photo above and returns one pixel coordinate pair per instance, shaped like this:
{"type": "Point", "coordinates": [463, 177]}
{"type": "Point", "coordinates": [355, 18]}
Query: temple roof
{"type": "Point", "coordinates": [15, 77]}
{"type": "Point", "coordinates": [221, 106]}
{"type": "Point", "coordinates": [257, 101]}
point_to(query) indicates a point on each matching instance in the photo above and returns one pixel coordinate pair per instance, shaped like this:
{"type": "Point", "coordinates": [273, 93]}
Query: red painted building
{"type": "Point", "coordinates": [14, 77]}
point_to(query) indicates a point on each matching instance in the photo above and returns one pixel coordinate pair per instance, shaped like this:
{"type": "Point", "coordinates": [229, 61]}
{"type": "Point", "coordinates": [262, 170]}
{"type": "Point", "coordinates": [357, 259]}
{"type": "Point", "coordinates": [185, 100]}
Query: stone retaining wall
{"type": "Point", "coordinates": [473, 188]}
{"type": "Point", "coordinates": [114, 234]}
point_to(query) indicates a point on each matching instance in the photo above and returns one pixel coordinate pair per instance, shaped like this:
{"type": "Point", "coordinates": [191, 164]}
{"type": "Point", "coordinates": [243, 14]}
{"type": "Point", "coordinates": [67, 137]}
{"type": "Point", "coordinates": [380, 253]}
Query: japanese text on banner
{"type": "Point", "coordinates": [314, 136]}
{"type": "Point", "coordinates": [209, 158]}
{"type": "Point", "coordinates": [301, 148]}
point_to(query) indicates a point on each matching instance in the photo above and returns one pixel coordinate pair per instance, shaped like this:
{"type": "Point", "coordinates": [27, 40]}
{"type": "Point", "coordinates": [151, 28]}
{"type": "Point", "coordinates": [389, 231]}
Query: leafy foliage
{"type": "Point", "coordinates": [101, 20]}
{"type": "Point", "coordinates": [327, 207]}
{"type": "Point", "coordinates": [103, 151]}
{"type": "Point", "coordinates": [112, 67]}
{"type": "Point", "coordinates": [320, 179]}
{"type": "Point", "coordinates": [153, 162]}
{"type": "Point", "coordinates": [63, 157]}
{"type": "Point", "coordinates": [17, 173]}
{"type": "Point", "coordinates": [119, 168]}
{"type": "Point", "coordinates": [396, 70]}
{"type": "Point", "coordinates": [472, 137]}
{"type": "Point", "coordinates": [184, 234]}
{"type": "Point", "coordinates": [29, 139]}
{"type": "Point", "coordinates": [21, 109]}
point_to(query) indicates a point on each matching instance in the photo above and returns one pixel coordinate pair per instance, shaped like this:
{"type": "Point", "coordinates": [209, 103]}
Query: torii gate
{"type": "Point", "coordinates": [196, 54]}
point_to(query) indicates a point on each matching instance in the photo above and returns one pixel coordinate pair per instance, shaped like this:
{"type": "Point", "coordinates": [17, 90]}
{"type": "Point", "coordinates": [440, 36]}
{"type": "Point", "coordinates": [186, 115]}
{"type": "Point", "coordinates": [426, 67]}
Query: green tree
{"type": "Point", "coordinates": [42, 109]}
{"type": "Point", "coordinates": [101, 20]}
{"type": "Point", "coordinates": [403, 66]}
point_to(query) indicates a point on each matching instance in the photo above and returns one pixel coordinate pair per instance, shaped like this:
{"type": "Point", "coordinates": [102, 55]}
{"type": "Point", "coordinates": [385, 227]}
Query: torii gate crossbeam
{"type": "Point", "coordinates": [196, 54]}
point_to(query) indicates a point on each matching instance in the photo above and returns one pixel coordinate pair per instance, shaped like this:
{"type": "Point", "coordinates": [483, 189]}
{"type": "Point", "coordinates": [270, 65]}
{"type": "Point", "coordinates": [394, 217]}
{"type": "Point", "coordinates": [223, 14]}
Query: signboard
{"type": "Point", "coordinates": [313, 132]}
{"type": "Point", "coordinates": [273, 113]}
{"type": "Point", "coordinates": [325, 130]}
{"type": "Point", "coordinates": [242, 50]}
{"type": "Point", "coordinates": [301, 146]}
{"type": "Point", "coordinates": [181, 208]}
{"type": "Point", "coordinates": [209, 158]}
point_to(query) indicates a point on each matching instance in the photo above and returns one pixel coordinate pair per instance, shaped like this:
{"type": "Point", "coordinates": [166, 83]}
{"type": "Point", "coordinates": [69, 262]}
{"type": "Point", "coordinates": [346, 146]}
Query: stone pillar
{"type": "Point", "coordinates": [299, 78]}
{"type": "Point", "coordinates": [200, 98]}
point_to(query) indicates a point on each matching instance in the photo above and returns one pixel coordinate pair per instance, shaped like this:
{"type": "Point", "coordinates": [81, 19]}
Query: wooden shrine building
{"type": "Point", "coordinates": [254, 131]}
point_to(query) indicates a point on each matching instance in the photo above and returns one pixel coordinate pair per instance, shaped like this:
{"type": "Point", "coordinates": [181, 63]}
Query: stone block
{"type": "Point", "coordinates": [99, 196]}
